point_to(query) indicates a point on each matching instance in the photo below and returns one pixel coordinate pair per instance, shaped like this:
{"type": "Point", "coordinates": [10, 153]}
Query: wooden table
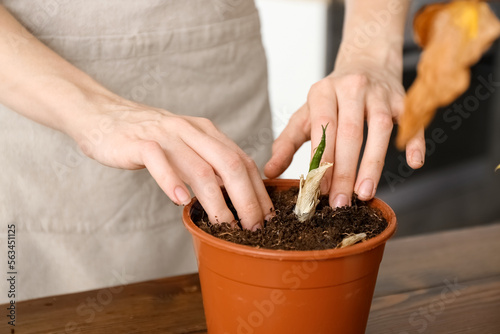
{"type": "Point", "coordinates": [447, 282]}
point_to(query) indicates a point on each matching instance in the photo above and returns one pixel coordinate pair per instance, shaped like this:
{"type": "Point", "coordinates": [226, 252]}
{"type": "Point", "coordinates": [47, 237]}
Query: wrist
{"type": "Point", "coordinates": [385, 54]}
{"type": "Point", "coordinates": [83, 113]}
{"type": "Point", "coordinates": [373, 32]}
{"type": "Point", "coordinates": [69, 106]}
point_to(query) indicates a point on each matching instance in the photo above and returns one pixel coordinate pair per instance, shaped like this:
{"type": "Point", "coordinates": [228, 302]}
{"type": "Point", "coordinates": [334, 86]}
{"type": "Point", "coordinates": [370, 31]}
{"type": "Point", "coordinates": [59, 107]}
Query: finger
{"type": "Point", "coordinates": [322, 102]}
{"type": "Point", "coordinates": [288, 142]}
{"type": "Point", "coordinates": [380, 124]}
{"type": "Point", "coordinates": [351, 104]}
{"type": "Point", "coordinates": [154, 159]}
{"type": "Point", "coordinates": [266, 204]}
{"type": "Point", "coordinates": [232, 169]}
{"type": "Point", "coordinates": [202, 180]}
{"type": "Point", "coordinates": [415, 147]}
{"type": "Point", "coordinates": [415, 150]}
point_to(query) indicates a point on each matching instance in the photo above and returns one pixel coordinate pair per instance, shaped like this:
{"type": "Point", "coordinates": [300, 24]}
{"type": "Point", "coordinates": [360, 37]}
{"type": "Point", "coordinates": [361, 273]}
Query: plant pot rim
{"type": "Point", "coordinates": [293, 254]}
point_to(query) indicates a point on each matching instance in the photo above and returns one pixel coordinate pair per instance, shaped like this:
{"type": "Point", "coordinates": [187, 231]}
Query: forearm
{"type": "Point", "coordinates": [41, 85]}
{"type": "Point", "coordinates": [374, 29]}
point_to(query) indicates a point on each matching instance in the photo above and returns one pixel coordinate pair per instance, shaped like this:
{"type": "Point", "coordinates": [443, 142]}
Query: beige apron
{"type": "Point", "coordinates": [81, 225]}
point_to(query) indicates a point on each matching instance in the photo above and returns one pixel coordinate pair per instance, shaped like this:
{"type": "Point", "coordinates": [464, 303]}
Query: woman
{"type": "Point", "coordinates": [114, 80]}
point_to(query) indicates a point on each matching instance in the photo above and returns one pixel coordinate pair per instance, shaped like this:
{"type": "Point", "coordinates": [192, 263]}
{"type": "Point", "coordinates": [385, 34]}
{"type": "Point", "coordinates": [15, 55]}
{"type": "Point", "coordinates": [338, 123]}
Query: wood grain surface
{"type": "Point", "coordinates": [447, 282]}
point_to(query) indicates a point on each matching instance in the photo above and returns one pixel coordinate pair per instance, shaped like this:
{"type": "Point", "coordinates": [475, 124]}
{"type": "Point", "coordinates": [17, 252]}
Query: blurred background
{"type": "Point", "coordinates": [457, 186]}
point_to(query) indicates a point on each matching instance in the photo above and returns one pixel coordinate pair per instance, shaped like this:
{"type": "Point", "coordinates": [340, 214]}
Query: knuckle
{"type": "Point", "coordinates": [323, 120]}
{"type": "Point", "coordinates": [249, 163]}
{"type": "Point", "coordinates": [234, 163]}
{"type": "Point", "coordinates": [383, 121]}
{"type": "Point", "coordinates": [210, 190]}
{"type": "Point", "coordinates": [350, 131]}
{"type": "Point", "coordinates": [149, 147]}
{"type": "Point", "coordinates": [380, 90]}
{"type": "Point", "coordinates": [178, 123]}
{"type": "Point", "coordinates": [206, 122]}
{"type": "Point", "coordinates": [343, 178]}
{"type": "Point", "coordinates": [321, 87]}
{"type": "Point", "coordinates": [357, 80]}
{"type": "Point", "coordinates": [203, 171]}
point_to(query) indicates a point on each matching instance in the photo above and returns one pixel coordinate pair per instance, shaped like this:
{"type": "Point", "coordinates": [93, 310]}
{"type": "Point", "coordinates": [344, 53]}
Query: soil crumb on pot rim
{"type": "Point", "coordinates": [326, 230]}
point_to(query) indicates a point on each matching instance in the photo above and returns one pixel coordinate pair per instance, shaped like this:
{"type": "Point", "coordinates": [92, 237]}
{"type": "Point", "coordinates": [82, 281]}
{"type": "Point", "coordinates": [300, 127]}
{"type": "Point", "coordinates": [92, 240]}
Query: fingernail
{"type": "Point", "coordinates": [416, 158]}
{"type": "Point", "coordinates": [365, 190]}
{"type": "Point", "coordinates": [182, 196]}
{"type": "Point", "coordinates": [340, 200]}
{"type": "Point", "coordinates": [269, 216]}
{"type": "Point", "coordinates": [256, 227]}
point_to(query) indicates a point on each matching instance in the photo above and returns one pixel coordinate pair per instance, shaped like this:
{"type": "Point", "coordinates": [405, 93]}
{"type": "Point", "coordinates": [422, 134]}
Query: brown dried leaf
{"type": "Point", "coordinates": [453, 36]}
{"type": "Point", "coordinates": [309, 191]}
{"type": "Point", "coordinates": [352, 239]}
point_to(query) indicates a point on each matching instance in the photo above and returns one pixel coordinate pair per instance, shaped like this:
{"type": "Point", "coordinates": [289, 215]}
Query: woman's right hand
{"type": "Point", "coordinates": [176, 150]}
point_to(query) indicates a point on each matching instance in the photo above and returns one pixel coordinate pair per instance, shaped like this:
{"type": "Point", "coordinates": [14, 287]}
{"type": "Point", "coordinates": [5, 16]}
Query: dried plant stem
{"type": "Point", "coordinates": [352, 239]}
{"type": "Point", "coordinates": [309, 191]}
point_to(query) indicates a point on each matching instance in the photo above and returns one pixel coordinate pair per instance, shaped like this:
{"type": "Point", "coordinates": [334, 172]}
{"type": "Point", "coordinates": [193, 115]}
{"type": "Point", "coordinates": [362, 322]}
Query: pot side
{"type": "Point", "coordinates": [259, 291]}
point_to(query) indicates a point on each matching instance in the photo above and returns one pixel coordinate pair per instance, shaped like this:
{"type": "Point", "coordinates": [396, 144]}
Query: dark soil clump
{"type": "Point", "coordinates": [324, 231]}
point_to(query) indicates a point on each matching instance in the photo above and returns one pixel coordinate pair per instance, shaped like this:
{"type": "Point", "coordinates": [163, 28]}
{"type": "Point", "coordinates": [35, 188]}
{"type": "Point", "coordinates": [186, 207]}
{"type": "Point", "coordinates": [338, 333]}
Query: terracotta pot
{"type": "Point", "coordinates": [247, 290]}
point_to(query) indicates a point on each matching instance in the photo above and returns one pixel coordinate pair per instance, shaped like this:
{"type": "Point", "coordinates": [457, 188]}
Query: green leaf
{"type": "Point", "coordinates": [319, 150]}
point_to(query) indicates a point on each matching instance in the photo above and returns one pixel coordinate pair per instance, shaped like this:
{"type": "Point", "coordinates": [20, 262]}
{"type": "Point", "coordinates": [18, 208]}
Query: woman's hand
{"type": "Point", "coordinates": [176, 150]}
{"type": "Point", "coordinates": [362, 86]}
{"type": "Point", "coordinates": [365, 84]}
{"type": "Point", "coordinates": [39, 84]}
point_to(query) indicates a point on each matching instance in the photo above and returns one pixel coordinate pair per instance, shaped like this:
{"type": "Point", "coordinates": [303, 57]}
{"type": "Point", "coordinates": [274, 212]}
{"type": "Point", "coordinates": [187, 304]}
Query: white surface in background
{"type": "Point", "coordinates": [294, 35]}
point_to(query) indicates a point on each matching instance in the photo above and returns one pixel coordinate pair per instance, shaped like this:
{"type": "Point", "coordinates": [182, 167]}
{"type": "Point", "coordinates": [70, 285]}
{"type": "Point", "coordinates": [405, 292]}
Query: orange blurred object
{"type": "Point", "coordinates": [453, 37]}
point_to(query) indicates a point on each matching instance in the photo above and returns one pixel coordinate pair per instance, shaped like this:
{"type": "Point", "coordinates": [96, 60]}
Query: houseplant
{"type": "Point", "coordinates": [248, 290]}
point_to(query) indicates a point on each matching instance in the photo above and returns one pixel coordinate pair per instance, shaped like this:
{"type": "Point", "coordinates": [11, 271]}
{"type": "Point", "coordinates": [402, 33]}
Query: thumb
{"type": "Point", "coordinates": [296, 132]}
